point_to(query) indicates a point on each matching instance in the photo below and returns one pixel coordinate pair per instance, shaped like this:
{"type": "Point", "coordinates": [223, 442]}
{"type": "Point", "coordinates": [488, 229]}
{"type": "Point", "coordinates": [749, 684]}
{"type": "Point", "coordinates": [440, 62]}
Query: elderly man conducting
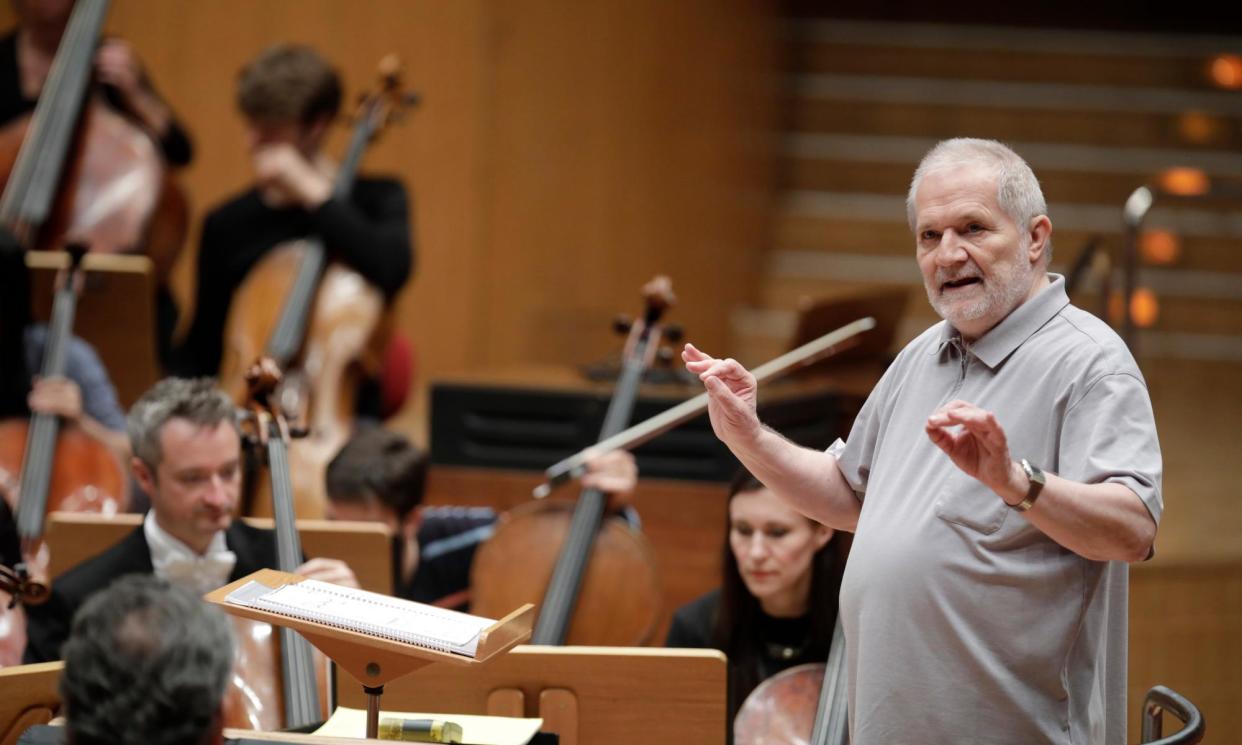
{"type": "Point", "coordinates": [998, 478]}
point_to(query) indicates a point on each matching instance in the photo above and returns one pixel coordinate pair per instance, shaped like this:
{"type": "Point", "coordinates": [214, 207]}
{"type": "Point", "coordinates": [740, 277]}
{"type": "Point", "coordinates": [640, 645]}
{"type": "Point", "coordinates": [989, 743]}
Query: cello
{"type": "Point", "coordinates": [330, 320]}
{"type": "Point", "coordinates": [45, 466]}
{"type": "Point", "coordinates": [804, 704]}
{"type": "Point", "coordinates": [77, 169]}
{"type": "Point", "coordinates": [253, 686]}
{"type": "Point", "coordinates": [582, 560]}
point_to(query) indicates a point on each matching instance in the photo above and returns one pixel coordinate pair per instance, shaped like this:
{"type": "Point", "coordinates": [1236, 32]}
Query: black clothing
{"type": "Point", "coordinates": [370, 232]}
{"type": "Point", "coordinates": [448, 538]}
{"type": "Point", "coordinates": [47, 625]}
{"type": "Point", "coordinates": [781, 643]}
{"type": "Point", "coordinates": [10, 543]}
{"type": "Point", "coordinates": [175, 144]}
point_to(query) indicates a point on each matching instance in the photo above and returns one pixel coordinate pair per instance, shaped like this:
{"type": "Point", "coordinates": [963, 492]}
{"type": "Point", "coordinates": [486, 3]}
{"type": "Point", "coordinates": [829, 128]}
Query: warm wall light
{"type": "Point", "coordinates": [1199, 127]}
{"type": "Point", "coordinates": [1225, 70]}
{"type": "Point", "coordinates": [1160, 247]}
{"type": "Point", "coordinates": [1144, 308]}
{"type": "Point", "coordinates": [1184, 181]}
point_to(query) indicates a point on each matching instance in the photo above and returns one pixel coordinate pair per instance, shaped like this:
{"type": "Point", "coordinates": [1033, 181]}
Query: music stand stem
{"type": "Point", "coordinates": [373, 709]}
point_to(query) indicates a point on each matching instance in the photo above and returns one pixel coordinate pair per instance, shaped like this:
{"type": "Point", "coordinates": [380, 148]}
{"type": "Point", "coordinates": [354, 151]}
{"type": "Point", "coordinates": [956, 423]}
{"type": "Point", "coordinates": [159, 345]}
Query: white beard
{"type": "Point", "coordinates": [1002, 292]}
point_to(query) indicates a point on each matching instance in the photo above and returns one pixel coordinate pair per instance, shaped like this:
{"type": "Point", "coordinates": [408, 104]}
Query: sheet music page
{"type": "Point", "coordinates": [368, 612]}
{"type": "Point", "coordinates": [477, 730]}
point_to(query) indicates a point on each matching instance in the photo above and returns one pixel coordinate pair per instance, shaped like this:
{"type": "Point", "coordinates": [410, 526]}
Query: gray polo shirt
{"type": "Point", "coordinates": [964, 623]}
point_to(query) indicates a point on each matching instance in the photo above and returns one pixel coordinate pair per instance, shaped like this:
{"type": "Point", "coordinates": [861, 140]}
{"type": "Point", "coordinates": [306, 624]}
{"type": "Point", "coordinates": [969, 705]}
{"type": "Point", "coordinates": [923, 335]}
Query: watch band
{"type": "Point", "coordinates": [1037, 479]}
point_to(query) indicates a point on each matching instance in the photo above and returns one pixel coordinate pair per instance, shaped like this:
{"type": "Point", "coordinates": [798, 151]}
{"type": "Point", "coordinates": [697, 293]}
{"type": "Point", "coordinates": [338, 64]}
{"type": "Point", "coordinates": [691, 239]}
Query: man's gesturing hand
{"type": "Point", "coordinates": [979, 448]}
{"type": "Point", "coordinates": [731, 395]}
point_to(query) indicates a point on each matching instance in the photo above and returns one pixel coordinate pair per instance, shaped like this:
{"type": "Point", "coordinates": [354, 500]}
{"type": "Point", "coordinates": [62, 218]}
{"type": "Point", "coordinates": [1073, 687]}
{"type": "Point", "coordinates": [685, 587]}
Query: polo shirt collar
{"type": "Point", "coordinates": [1014, 329]}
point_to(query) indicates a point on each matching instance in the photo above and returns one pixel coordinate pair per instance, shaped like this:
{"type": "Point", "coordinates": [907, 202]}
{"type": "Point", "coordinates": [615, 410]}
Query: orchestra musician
{"type": "Point", "coordinates": [187, 456]}
{"type": "Point", "coordinates": [380, 476]}
{"type": "Point", "coordinates": [777, 601]}
{"type": "Point", "coordinates": [289, 97]}
{"type": "Point", "coordinates": [26, 56]}
{"type": "Point", "coordinates": [985, 598]}
{"type": "Point", "coordinates": [146, 662]}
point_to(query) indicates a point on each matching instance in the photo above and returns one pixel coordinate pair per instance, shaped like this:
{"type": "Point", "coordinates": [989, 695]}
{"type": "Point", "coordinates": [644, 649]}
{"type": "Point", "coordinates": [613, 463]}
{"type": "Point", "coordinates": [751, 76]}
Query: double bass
{"type": "Point", "coordinates": [278, 683]}
{"type": "Point", "coordinates": [330, 321]}
{"type": "Point", "coordinates": [45, 466]}
{"type": "Point", "coordinates": [574, 557]}
{"type": "Point", "coordinates": [76, 170]}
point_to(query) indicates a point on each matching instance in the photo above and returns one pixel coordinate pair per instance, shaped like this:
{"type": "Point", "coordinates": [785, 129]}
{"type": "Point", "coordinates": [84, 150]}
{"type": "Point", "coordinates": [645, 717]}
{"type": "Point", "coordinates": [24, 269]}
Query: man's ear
{"type": "Point", "coordinates": [143, 475]}
{"type": "Point", "coordinates": [1040, 233]}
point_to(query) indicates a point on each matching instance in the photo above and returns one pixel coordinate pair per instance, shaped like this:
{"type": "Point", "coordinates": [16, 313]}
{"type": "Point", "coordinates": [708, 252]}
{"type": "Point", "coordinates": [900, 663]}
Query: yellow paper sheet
{"type": "Point", "coordinates": [476, 730]}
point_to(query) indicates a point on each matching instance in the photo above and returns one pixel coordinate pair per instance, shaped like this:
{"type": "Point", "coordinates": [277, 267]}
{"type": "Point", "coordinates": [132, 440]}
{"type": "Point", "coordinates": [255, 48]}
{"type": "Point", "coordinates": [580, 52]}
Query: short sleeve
{"type": "Point", "coordinates": [1109, 435]}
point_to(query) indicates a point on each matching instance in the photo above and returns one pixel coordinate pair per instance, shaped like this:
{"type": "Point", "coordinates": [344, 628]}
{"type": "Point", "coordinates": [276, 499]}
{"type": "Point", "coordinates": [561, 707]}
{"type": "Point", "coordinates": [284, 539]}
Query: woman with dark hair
{"type": "Point", "coordinates": [777, 603]}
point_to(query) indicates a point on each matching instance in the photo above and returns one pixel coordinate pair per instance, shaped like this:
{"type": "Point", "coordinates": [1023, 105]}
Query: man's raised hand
{"type": "Point", "coordinates": [731, 396]}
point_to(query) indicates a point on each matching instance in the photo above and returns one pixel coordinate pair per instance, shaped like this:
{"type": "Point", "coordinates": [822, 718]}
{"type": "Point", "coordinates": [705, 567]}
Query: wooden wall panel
{"type": "Point", "coordinates": [627, 139]}
{"type": "Point", "coordinates": [1185, 624]}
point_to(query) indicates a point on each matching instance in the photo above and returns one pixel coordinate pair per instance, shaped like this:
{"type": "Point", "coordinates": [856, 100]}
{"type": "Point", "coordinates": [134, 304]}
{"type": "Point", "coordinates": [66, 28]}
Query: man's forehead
{"type": "Point", "coordinates": [178, 435]}
{"type": "Point", "coordinates": [954, 191]}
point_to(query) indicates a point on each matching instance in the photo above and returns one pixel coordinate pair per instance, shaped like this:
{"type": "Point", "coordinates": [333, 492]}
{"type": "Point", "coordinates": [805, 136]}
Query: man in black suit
{"type": "Point", "coordinates": [187, 456]}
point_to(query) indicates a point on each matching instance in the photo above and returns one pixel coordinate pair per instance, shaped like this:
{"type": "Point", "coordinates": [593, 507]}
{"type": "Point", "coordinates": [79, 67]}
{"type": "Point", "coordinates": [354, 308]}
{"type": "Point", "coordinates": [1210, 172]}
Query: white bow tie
{"type": "Point", "coordinates": [201, 574]}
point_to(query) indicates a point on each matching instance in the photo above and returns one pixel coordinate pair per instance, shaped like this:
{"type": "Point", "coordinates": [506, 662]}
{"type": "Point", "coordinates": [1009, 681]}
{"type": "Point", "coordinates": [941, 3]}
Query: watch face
{"type": "Point", "coordinates": [1033, 472]}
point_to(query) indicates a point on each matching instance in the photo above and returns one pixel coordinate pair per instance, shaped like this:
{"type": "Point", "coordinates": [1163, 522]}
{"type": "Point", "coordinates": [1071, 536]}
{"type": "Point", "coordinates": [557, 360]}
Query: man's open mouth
{"type": "Point", "coordinates": [954, 284]}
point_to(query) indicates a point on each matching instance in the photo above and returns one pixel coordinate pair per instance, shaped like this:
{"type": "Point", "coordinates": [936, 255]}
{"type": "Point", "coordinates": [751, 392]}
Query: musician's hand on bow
{"type": "Point", "coordinates": [614, 473]}
{"type": "Point", "coordinates": [328, 570]}
{"type": "Point", "coordinates": [281, 168]}
{"type": "Point", "coordinates": [731, 391]}
{"type": "Point", "coordinates": [56, 395]}
{"type": "Point", "coordinates": [976, 443]}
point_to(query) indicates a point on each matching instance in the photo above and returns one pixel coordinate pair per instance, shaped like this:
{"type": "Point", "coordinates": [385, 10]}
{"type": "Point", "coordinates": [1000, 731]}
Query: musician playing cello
{"type": "Point", "coordinates": [187, 456]}
{"type": "Point", "coordinates": [380, 476]}
{"type": "Point", "coordinates": [289, 97]}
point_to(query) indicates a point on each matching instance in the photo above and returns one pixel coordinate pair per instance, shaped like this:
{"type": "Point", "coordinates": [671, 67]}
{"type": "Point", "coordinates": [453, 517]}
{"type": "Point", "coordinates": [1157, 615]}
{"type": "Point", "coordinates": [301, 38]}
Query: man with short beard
{"type": "Point", "coordinates": [999, 478]}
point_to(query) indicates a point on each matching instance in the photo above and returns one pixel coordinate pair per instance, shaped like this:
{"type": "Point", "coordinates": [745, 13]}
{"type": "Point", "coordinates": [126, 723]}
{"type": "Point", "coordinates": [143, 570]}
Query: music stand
{"type": "Point", "coordinates": [115, 313]}
{"type": "Point", "coordinates": [374, 660]}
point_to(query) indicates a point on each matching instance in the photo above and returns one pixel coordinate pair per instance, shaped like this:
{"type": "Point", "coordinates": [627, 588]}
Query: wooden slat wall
{"type": "Point", "coordinates": [563, 154]}
{"type": "Point", "coordinates": [1186, 633]}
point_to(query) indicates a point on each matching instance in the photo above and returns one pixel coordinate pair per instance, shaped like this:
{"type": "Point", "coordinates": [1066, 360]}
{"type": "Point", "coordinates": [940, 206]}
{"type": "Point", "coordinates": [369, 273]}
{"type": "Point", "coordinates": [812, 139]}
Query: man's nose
{"type": "Point", "coordinates": [219, 491]}
{"type": "Point", "coordinates": [951, 249]}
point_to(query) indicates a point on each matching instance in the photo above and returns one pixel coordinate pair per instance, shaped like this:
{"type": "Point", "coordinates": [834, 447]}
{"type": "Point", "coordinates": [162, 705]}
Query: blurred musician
{"type": "Point", "coordinates": [777, 602]}
{"type": "Point", "coordinates": [147, 663]}
{"type": "Point", "coordinates": [26, 56]}
{"type": "Point", "coordinates": [380, 476]}
{"type": "Point", "coordinates": [289, 97]}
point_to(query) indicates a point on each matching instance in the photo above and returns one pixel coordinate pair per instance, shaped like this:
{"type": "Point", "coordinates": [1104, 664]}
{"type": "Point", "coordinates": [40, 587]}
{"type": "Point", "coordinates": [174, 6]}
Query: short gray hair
{"type": "Point", "coordinates": [146, 662]}
{"type": "Point", "coordinates": [1017, 189]}
{"type": "Point", "coordinates": [198, 400]}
